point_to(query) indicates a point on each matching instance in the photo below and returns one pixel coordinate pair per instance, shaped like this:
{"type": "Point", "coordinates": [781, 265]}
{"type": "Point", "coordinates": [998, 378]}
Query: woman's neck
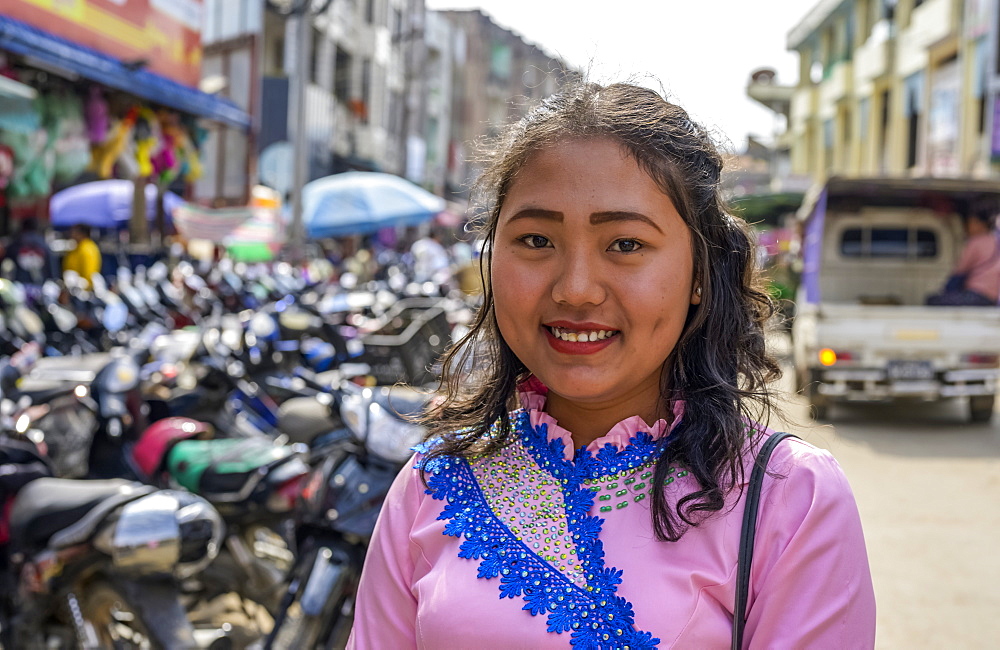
{"type": "Point", "coordinates": [588, 422]}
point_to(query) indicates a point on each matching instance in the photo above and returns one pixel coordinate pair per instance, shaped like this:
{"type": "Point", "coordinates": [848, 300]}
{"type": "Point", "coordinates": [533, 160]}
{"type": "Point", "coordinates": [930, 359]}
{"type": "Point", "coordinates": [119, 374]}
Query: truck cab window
{"type": "Point", "coordinates": [888, 243]}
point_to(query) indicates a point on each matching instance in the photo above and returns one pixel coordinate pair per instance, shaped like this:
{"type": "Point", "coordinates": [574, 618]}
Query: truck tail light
{"type": "Point", "coordinates": [829, 357]}
{"type": "Point", "coordinates": [981, 359]}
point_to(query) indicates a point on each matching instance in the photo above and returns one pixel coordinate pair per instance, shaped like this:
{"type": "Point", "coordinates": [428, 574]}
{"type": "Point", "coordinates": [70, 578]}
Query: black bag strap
{"type": "Point", "coordinates": [748, 532]}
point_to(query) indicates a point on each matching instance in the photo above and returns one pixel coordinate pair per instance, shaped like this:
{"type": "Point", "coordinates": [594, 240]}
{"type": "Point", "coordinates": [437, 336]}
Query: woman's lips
{"type": "Point", "coordinates": [579, 338]}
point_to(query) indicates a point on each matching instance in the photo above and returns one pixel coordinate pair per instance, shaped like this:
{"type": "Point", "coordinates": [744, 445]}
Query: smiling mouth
{"type": "Point", "coordinates": [575, 336]}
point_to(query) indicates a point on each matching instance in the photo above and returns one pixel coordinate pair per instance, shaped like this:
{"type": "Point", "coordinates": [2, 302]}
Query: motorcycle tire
{"type": "Point", "coordinates": [123, 623]}
{"type": "Point", "coordinates": [328, 627]}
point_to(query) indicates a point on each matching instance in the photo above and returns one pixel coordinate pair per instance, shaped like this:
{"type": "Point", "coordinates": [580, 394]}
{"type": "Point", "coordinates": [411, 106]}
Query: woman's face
{"type": "Point", "coordinates": [592, 273]}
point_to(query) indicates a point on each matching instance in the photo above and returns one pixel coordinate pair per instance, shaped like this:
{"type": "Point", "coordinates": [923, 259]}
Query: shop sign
{"type": "Point", "coordinates": [162, 35]}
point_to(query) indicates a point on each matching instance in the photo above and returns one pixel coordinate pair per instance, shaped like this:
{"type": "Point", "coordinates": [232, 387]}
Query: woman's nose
{"type": "Point", "coordinates": [578, 282]}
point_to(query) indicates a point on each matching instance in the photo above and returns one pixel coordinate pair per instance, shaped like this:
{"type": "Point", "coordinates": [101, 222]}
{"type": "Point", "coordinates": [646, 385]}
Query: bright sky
{"type": "Point", "coordinates": [701, 51]}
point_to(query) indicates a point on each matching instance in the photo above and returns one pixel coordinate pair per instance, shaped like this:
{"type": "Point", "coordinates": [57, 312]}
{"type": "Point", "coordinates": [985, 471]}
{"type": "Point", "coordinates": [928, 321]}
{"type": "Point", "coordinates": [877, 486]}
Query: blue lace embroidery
{"type": "Point", "coordinates": [596, 616]}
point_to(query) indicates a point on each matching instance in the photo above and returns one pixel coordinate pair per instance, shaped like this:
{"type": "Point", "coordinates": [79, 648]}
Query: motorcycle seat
{"type": "Point", "coordinates": [402, 400]}
{"type": "Point", "coordinates": [43, 391]}
{"type": "Point", "coordinates": [225, 469]}
{"type": "Point", "coordinates": [47, 506]}
{"type": "Point", "coordinates": [304, 418]}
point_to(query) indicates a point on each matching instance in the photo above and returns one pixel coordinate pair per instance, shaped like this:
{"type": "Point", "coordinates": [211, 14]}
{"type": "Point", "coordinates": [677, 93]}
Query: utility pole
{"type": "Point", "coordinates": [297, 90]}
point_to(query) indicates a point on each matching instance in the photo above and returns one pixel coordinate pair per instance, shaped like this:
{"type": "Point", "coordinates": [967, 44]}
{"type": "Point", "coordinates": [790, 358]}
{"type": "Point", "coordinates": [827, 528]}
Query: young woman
{"type": "Point", "coordinates": [584, 483]}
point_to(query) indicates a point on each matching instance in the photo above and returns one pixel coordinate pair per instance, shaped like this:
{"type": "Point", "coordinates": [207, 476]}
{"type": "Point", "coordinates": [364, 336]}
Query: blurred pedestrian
{"type": "Point", "coordinates": [975, 280]}
{"type": "Point", "coordinates": [625, 319]}
{"type": "Point", "coordinates": [85, 258]}
{"type": "Point", "coordinates": [31, 255]}
{"type": "Point", "coordinates": [430, 258]}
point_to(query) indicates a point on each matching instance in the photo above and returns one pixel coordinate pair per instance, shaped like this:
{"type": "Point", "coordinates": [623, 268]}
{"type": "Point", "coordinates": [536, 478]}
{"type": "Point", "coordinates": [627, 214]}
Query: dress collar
{"type": "Point", "coordinates": [532, 395]}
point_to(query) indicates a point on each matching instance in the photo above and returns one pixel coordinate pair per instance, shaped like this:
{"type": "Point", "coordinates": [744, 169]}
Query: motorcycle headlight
{"type": "Point", "coordinates": [122, 377]}
{"type": "Point", "coordinates": [385, 435]}
{"type": "Point", "coordinates": [201, 529]}
{"type": "Point", "coordinates": [166, 532]}
{"type": "Point", "coordinates": [146, 537]}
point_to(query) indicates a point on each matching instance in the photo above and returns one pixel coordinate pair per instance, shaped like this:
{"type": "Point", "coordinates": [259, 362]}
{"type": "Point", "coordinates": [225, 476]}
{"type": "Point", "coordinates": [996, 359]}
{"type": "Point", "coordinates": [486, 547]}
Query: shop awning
{"type": "Point", "coordinates": [21, 38]}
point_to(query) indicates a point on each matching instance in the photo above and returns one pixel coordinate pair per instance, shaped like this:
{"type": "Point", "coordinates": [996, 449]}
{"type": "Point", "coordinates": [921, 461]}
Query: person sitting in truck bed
{"type": "Point", "coordinates": [975, 280]}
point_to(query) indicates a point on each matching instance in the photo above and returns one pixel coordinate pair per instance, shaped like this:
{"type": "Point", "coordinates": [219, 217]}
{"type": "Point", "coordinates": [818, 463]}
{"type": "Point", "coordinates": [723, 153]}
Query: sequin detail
{"type": "Point", "coordinates": [576, 591]}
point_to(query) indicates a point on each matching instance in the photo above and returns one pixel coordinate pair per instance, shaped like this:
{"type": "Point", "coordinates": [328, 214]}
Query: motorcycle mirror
{"type": "Point", "coordinates": [64, 319]}
{"type": "Point", "coordinates": [157, 272]}
{"type": "Point", "coordinates": [349, 281]}
{"type": "Point", "coordinates": [72, 280]}
{"type": "Point", "coordinates": [29, 320]}
{"type": "Point", "coordinates": [100, 286]}
{"type": "Point", "coordinates": [211, 339]}
{"type": "Point", "coordinates": [115, 316]}
{"type": "Point", "coordinates": [51, 290]}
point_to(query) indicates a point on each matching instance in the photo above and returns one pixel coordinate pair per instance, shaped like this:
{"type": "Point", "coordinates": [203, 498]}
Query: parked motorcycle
{"type": "Point", "coordinates": [95, 564]}
{"type": "Point", "coordinates": [337, 510]}
{"type": "Point", "coordinates": [252, 482]}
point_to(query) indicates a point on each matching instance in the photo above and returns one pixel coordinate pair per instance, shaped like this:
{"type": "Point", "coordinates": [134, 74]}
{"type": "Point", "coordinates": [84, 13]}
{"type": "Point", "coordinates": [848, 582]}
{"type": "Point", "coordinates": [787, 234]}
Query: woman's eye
{"type": "Point", "coordinates": [625, 246]}
{"type": "Point", "coordinates": [535, 241]}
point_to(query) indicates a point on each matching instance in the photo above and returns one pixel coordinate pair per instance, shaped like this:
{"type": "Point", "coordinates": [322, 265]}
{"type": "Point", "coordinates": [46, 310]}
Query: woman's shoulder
{"type": "Point", "coordinates": [802, 473]}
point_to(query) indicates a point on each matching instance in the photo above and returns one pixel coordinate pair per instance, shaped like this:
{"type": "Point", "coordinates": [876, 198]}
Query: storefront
{"type": "Point", "coordinates": [102, 96]}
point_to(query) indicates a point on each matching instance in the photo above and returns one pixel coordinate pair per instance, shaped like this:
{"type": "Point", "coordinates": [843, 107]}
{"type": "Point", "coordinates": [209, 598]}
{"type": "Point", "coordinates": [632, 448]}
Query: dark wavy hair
{"type": "Point", "coordinates": [719, 366]}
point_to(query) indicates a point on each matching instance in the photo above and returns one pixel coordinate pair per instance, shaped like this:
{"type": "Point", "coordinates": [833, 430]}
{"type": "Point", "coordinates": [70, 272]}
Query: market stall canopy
{"type": "Point", "coordinates": [23, 39]}
{"type": "Point", "coordinates": [359, 203]}
{"type": "Point", "coordinates": [251, 233]}
{"type": "Point", "coordinates": [104, 204]}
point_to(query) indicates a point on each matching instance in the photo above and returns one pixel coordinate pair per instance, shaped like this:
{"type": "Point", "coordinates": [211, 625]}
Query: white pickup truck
{"type": "Point", "coordinates": [872, 251]}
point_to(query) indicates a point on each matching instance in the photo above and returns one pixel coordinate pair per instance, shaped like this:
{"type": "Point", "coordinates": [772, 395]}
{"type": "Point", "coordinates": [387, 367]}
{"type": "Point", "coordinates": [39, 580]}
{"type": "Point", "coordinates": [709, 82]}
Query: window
{"type": "Point", "coordinates": [926, 244]}
{"type": "Point", "coordinates": [883, 132]}
{"type": "Point", "coordinates": [828, 144]}
{"type": "Point", "coordinates": [366, 87]}
{"type": "Point", "coordinates": [850, 243]}
{"type": "Point", "coordinates": [370, 11]}
{"type": "Point", "coordinates": [397, 25]}
{"type": "Point", "coordinates": [979, 81]}
{"type": "Point", "coordinates": [888, 242]}
{"type": "Point", "coordinates": [278, 55]}
{"type": "Point", "coordinates": [914, 110]}
{"type": "Point", "coordinates": [891, 243]}
{"type": "Point", "coordinates": [864, 116]}
{"type": "Point", "coordinates": [342, 76]}
{"type": "Point", "coordinates": [317, 51]}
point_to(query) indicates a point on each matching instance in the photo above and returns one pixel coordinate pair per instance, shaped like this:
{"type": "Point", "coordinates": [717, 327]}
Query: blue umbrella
{"type": "Point", "coordinates": [104, 204]}
{"type": "Point", "coordinates": [359, 203]}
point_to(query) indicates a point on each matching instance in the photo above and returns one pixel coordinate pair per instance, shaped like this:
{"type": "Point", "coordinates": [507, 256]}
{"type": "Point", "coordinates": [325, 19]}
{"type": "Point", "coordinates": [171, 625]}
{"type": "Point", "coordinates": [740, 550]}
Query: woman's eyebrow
{"type": "Point", "coordinates": [536, 213]}
{"type": "Point", "coordinates": [596, 218]}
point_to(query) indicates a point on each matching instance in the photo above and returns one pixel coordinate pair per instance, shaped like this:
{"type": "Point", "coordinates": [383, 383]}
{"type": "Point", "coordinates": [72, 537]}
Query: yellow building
{"type": "Point", "coordinates": [893, 88]}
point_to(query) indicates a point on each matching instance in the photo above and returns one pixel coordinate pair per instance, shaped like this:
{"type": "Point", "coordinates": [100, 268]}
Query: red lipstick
{"type": "Point", "coordinates": [578, 347]}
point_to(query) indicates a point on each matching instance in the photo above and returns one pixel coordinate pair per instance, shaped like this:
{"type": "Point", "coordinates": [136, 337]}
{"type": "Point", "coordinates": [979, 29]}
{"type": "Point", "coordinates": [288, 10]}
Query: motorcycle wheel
{"type": "Point", "coordinates": [327, 629]}
{"type": "Point", "coordinates": [115, 621]}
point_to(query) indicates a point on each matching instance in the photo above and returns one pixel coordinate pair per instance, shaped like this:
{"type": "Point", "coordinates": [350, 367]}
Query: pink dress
{"type": "Point", "coordinates": [538, 547]}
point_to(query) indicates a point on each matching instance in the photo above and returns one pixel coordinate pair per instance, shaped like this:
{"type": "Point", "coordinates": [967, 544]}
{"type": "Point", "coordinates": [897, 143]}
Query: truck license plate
{"type": "Point", "coordinates": [910, 370]}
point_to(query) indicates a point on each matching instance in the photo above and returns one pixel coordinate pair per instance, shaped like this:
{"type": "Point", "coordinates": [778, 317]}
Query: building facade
{"type": "Point", "coordinates": [362, 89]}
{"type": "Point", "coordinates": [94, 91]}
{"type": "Point", "coordinates": [497, 77]}
{"type": "Point", "coordinates": [894, 88]}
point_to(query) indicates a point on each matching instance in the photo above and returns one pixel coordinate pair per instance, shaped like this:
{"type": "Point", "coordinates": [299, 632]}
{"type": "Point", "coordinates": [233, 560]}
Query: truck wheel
{"type": "Point", "coordinates": [981, 408]}
{"type": "Point", "coordinates": [820, 406]}
{"type": "Point", "coordinates": [820, 403]}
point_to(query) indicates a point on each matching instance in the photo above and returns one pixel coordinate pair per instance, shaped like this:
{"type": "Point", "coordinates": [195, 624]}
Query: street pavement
{"type": "Point", "coordinates": [928, 489]}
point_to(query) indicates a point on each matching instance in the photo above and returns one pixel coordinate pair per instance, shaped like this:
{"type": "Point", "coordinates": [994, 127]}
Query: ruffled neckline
{"type": "Point", "coordinates": [532, 396]}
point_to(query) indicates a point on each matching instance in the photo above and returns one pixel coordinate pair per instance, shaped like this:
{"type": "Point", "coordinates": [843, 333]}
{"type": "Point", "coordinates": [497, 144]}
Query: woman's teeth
{"type": "Point", "coordinates": [581, 337]}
